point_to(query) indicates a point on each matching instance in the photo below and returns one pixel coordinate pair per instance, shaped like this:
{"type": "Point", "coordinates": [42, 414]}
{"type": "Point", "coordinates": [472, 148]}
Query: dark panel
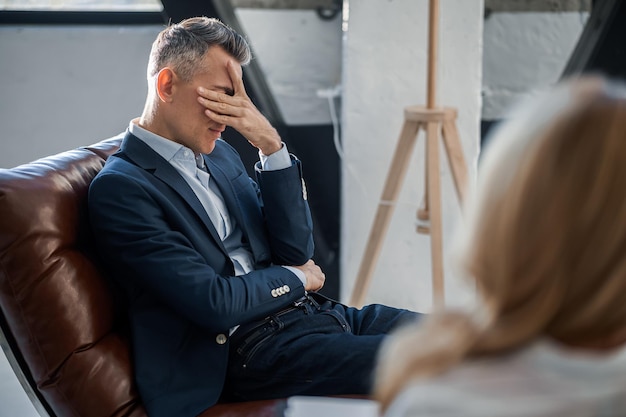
{"type": "Point", "coordinates": [486, 128]}
{"type": "Point", "coordinates": [81, 18]}
{"type": "Point", "coordinates": [315, 148]}
{"type": "Point", "coordinates": [178, 10]}
{"type": "Point", "coordinates": [602, 45]}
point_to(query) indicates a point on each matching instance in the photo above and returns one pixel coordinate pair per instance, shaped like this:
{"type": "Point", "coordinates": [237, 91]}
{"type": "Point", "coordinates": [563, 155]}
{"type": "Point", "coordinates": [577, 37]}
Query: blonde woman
{"type": "Point", "coordinates": [546, 246]}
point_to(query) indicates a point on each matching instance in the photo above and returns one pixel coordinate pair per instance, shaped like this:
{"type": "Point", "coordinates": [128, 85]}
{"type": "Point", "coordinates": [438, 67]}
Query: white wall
{"type": "Point", "coordinates": [64, 87]}
{"type": "Point", "coordinates": [524, 53]}
{"type": "Point", "coordinates": [384, 70]}
{"type": "Point", "coordinates": [299, 54]}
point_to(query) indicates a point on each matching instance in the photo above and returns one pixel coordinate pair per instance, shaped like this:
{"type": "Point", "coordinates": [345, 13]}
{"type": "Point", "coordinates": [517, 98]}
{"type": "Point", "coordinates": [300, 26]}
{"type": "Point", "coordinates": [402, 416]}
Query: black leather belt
{"type": "Point", "coordinates": [247, 330]}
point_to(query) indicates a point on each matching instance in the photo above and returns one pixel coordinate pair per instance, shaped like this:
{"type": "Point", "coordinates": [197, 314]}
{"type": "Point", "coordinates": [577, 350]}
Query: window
{"type": "Point", "coordinates": [82, 5]}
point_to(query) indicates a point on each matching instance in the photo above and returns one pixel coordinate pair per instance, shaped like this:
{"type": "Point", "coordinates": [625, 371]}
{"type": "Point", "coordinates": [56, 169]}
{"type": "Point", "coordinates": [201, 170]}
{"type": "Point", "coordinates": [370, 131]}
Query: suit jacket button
{"type": "Point", "coordinates": [274, 293]}
{"type": "Point", "coordinates": [286, 288]}
{"type": "Point", "coordinates": [220, 339]}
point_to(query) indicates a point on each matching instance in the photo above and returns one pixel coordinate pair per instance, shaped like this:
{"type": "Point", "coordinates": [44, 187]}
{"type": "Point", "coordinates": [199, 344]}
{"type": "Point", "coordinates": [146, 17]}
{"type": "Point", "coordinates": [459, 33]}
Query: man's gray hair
{"type": "Point", "coordinates": [182, 46]}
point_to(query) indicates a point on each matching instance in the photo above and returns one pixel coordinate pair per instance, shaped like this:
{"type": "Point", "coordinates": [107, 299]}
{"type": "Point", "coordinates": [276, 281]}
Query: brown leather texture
{"type": "Point", "coordinates": [60, 314]}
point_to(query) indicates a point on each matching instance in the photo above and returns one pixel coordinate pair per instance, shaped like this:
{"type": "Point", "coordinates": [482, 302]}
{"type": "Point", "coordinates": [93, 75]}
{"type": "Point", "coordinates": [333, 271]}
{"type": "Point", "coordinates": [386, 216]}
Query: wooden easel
{"type": "Point", "coordinates": [437, 122]}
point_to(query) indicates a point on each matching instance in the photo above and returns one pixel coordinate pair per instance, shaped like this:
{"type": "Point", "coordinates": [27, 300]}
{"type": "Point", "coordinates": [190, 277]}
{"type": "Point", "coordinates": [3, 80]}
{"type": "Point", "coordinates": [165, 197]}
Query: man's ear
{"type": "Point", "coordinates": [165, 80]}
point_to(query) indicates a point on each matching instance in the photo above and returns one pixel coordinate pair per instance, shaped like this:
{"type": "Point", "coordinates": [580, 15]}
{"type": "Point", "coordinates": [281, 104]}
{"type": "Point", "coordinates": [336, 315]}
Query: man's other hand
{"type": "Point", "coordinates": [314, 276]}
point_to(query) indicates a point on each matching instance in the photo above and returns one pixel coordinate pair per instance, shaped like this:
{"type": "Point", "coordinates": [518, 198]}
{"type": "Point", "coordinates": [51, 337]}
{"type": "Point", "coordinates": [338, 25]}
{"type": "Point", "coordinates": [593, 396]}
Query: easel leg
{"type": "Point", "coordinates": [423, 212]}
{"type": "Point", "coordinates": [455, 158]}
{"type": "Point", "coordinates": [434, 197]}
{"type": "Point", "coordinates": [399, 166]}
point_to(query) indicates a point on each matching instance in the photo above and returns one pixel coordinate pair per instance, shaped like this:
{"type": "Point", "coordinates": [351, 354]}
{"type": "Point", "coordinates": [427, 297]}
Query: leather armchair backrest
{"type": "Point", "coordinates": [57, 311]}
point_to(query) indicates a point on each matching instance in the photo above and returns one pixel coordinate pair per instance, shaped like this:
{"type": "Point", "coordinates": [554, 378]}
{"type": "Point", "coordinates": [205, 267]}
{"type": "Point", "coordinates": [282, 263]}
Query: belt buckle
{"type": "Point", "coordinates": [301, 301]}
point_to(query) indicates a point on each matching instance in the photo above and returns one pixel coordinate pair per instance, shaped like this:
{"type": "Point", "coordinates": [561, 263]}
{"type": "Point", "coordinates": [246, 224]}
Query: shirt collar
{"type": "Point", "coordinates": [173, 152]}
{"type": "Point", "coordinates": [166, 148]}
{"type": "Point", "coordinates": [200, 162]}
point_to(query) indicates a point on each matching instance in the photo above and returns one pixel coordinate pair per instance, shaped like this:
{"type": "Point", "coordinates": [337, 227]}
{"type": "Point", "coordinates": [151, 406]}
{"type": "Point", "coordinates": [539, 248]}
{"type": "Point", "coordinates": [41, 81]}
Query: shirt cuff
{"type": "Point", "coordinates": [278, 160]}
{"type": "Point", "coordinates": [297, 273]}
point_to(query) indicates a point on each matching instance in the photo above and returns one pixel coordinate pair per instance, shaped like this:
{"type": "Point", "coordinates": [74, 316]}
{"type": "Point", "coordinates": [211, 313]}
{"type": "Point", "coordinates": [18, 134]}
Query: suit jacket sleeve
{"type": "Point", "coordinates": [288, 218]}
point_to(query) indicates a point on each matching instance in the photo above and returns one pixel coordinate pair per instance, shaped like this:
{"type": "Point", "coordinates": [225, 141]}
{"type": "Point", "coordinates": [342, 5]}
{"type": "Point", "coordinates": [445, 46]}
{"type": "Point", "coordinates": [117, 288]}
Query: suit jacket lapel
{"type": "Point", "coordinates": [145, 157]}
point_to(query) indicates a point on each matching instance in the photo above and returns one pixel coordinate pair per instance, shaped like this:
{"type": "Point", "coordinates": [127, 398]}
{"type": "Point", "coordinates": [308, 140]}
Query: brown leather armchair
{"type": "Point", "coordinates": [61, 327]}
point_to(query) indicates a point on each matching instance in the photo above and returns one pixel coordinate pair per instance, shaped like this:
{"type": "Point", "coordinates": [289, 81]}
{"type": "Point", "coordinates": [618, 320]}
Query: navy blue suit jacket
{"type": "Point", "coordinates": [159, 244]}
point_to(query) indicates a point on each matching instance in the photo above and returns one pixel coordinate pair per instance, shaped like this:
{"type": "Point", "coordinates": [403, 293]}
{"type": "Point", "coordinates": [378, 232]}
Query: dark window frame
{"type": "Point", "coordinates": [53, 17]}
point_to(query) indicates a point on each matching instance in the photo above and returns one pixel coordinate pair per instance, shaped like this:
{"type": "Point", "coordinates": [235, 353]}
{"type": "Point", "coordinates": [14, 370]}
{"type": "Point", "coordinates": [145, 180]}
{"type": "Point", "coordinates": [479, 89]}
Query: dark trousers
{"type": "Point", "coordinates": [320, 347]}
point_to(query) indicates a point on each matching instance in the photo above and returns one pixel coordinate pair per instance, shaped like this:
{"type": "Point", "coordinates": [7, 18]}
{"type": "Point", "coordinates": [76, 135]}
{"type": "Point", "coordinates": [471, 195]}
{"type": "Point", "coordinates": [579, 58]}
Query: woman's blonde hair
{"type": "Point", "coordinates": [545, 239]}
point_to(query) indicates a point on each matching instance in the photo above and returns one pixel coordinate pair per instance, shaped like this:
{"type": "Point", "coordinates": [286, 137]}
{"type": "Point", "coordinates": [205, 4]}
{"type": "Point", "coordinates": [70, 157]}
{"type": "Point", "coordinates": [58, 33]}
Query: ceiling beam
{"type": "Point", "coordinates": [538, 5]}
{"type": "Point", "coordinates": [491, 5]}
{"type": "Point", "coordinates": [284, 4]}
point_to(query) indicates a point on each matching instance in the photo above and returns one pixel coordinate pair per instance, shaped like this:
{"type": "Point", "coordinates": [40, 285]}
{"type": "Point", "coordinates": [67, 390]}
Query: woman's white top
{"type": "Point", "coordinates": [544, 379]}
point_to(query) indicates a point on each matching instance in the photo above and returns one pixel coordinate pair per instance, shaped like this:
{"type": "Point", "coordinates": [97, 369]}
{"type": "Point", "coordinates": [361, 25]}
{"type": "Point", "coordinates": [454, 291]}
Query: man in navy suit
{"type": "Point", "coordinates": [217, 267]}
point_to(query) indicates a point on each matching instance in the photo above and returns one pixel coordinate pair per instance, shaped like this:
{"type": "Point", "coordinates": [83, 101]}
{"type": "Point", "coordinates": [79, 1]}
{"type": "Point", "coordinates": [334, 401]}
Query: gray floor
{"type": "Point", "coordinates": [13, 399]}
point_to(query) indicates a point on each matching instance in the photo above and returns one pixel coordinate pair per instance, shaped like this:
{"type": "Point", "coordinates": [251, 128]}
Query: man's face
{"type": "Point", "coordinates": [189, 124]}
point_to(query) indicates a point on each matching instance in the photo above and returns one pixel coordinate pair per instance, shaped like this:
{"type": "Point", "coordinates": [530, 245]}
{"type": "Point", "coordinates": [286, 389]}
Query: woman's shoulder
{"type": "Point", "coordinates": [540, 379]}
